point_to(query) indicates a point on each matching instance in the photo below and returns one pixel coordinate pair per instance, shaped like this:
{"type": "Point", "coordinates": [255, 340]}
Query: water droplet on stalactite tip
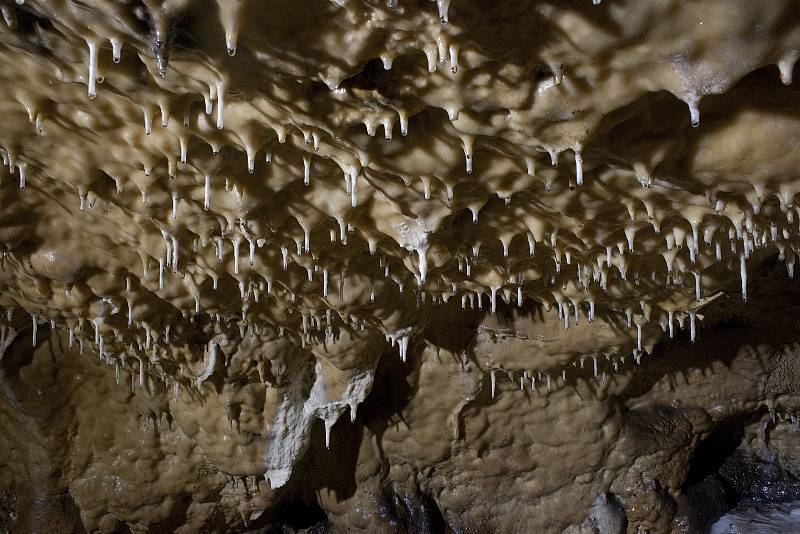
{"type": "Point", "coordinates": [402, 343]}
{"type": "Point", "coordinates": [443, 6]}
{"type": "Point", "coordinates": [307, 169]}
{"type": "Point", "coordinates": [578, 167]}
{"type": "Point", "coordinates": [116, 49]}
{"type": "Point", "coordinates": [285, 258]}
{"type": "Point", "coordinates": [694, 113]}
{"type": "Point", "coordinates": [328, 425]}
{"type": "Point", "coordinates": [251, 159]}
{"type": "Point", "coordinates": [220, 105]}
{"type": "Point", "coordinates": [454, 58]}
{"type": "Point", "coordinates": [696, 286]}
{"type": "Point", "coordinates": [306, 135]}
{"type": "Point", "coordinates": [553, 156]}
{"type": "Point", "coordinates": [306, 240]}
{"type": "Point", "coordinates": [432, 56]}
{"type": "Point", "coordinates": [422, 253]}
{"type": "Point", "coordinates": [638, 337]}
{"type": "Point", "coordinates": [786, 65]}
{"type": "Point", "coordinates": [183, 149]}
{"type": "Point", "coordinates": [426, 187]}
{"type": "Point", "coordinates": [388, 128]}
{"type": "Point", "coordinates": [174, 206]}
{"type": "Point", "coordinates": [168, 251]}
{"type": "Point", "coordinates": [209, 106]}
{"type": "Point", "coordinates": [92, 78]}
{"type": "Point", "coordinates": [236, 242]}
{"type": "Point", "coordinates": [164, 110]}
{"type": "Point", "coordinates": [403, 122]}
{"type": "Point", "coordinates": [175, 251]}
{"type": "Point", "coordinates": [467, 142]}
{"type": "Point", "coordinates": [353, 183]}
{"type": "Point", "coordinates": [743, 274]}
{"type": "Point", "coordinates": [493, 298]}
{"type": "Point", "coordinates": [218, 248]}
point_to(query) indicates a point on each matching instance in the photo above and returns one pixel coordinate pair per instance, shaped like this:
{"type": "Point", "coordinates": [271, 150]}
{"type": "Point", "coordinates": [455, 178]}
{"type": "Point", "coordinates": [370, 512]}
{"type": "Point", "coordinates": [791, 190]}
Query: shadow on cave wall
{"type": "Point", "coordinates": [720, 474]}
{"type": "Point", "coordinates": [727, 327]}
{"type": "Point", "coordinates": [722, 471]}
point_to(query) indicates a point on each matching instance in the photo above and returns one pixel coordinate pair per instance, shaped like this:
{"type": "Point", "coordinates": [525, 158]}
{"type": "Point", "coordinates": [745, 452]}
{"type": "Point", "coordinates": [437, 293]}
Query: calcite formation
{"type": "Point", "coordinates": [222, 222]}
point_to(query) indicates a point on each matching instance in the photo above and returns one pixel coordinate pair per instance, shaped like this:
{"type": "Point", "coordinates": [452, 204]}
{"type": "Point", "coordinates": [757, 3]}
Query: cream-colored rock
{"type": "Point", "coordinates": [243, 210]}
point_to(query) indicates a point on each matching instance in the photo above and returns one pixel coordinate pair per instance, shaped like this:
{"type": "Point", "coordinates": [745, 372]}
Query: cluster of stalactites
{"type": "Point", "coordinates": [562, 270]}
{"type": "Point", "coordinates": [574, 279]}
{"type": "Point", "coordinates": [587, 367]}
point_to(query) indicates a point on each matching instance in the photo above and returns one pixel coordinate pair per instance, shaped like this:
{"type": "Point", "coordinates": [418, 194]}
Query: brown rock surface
{"type": "Point", "coordinates": [430, 448]}
{"type": "Point", "coordinates": [512, 241]}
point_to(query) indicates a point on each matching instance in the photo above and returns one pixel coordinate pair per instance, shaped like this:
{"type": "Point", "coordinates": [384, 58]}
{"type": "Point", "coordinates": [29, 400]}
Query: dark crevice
{"type": "Point", "coordinates": [299, 514]}
{"type": "Point", "coordinates": [713, 451]}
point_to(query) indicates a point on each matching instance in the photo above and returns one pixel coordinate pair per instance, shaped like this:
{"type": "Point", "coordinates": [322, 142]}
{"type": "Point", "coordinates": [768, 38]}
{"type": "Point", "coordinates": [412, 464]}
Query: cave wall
{"type": "Point", "coordinates": [431, 449]}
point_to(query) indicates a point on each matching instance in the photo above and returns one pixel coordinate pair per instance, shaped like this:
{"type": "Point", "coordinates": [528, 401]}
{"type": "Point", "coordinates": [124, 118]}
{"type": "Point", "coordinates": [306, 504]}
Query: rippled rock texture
{"type": "Point", "coordinates": [450, 440]}
{"type": "Point", "coordinates": [396, 266]}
